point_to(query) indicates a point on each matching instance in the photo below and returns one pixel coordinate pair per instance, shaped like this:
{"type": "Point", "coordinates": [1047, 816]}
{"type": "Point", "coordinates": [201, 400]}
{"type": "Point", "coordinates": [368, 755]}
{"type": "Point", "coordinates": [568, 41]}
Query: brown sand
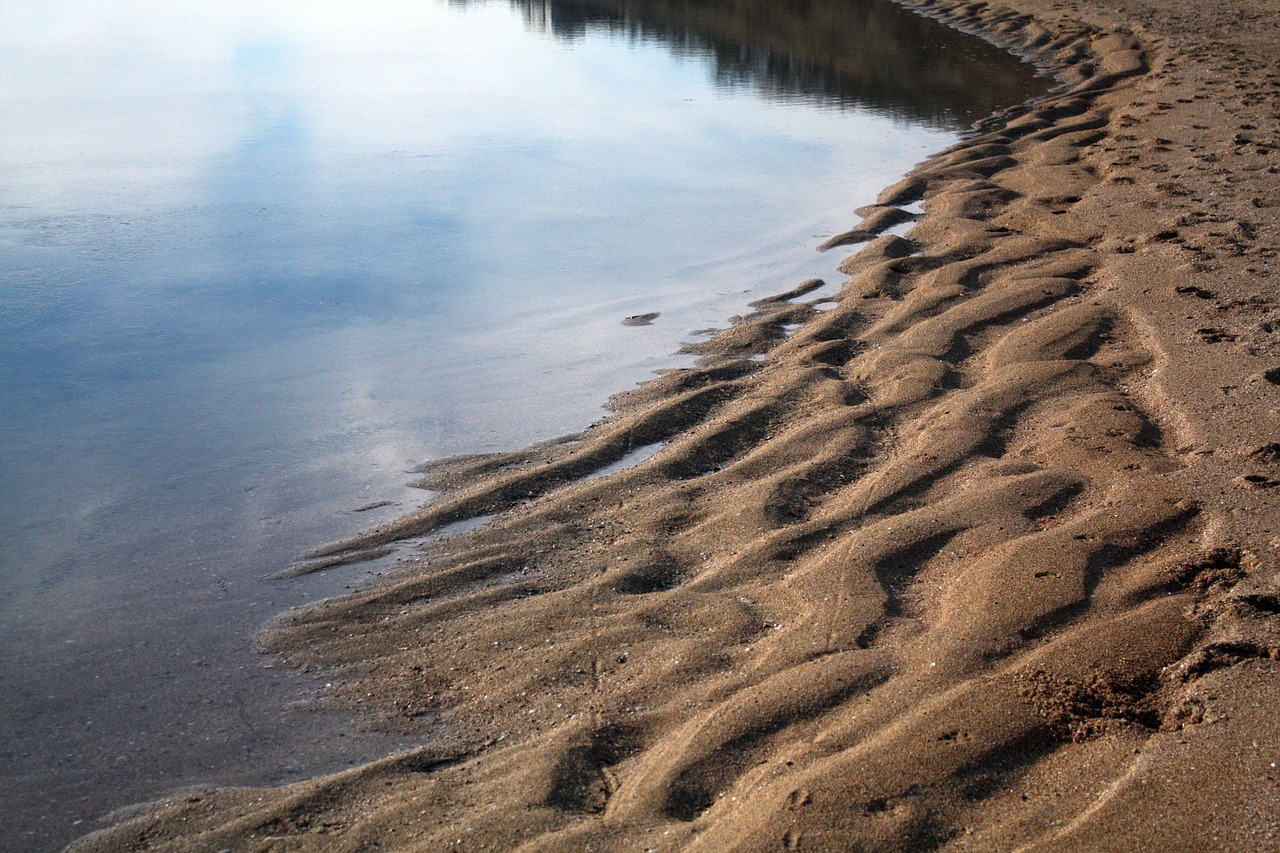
{"type": "Point", "coordinates": [983, 556]}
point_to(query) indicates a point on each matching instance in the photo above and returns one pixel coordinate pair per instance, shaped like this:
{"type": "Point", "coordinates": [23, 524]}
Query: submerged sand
{"type": "Point", "coordinates": [981, 555]}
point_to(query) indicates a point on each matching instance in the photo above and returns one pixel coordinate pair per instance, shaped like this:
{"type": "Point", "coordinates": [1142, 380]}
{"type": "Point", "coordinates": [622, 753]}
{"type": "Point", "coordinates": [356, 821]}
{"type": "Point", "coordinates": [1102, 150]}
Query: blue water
{"type": "Point", "coordinates": [257, 260]}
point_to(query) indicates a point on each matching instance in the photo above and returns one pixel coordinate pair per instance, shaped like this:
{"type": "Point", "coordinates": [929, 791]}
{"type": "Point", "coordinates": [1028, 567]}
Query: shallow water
{"type": "Point", "coordinates": [257, 260]}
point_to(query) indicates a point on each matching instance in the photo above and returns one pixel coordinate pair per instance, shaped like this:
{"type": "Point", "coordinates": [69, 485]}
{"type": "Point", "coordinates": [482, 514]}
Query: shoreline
{"type": "Point", "coordinates": [982, 555]}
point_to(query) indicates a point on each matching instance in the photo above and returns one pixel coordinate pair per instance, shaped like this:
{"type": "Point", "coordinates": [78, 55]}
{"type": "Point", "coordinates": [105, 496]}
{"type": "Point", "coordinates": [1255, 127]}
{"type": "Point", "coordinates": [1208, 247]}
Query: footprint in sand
{"type": "Point", "coordinates": [1269, 453]}
{"type": "Point", "coordinates": [1215, 336]}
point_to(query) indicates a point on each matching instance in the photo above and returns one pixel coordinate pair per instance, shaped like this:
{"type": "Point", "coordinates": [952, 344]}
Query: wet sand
{"type": "Point", "coordinates": [979, 553]}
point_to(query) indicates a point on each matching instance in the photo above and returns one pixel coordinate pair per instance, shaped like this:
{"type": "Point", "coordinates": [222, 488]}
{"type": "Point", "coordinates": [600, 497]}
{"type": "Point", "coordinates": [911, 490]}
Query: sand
{"type": "Point", "coordinates": [981, 555]}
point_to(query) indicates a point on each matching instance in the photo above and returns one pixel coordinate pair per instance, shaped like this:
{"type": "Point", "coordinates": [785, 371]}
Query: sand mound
{"type": "Point", "coordinates": [977, 553]}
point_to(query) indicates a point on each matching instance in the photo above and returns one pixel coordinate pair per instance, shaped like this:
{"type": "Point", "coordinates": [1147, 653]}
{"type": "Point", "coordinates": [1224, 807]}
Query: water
{"type": "Point", "coordinates": [257, 260]}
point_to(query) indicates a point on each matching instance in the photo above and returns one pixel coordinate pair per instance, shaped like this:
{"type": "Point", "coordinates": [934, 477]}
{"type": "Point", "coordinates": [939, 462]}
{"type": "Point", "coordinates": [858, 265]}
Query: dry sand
{"type": "Point", "coordinates": [983, 555]}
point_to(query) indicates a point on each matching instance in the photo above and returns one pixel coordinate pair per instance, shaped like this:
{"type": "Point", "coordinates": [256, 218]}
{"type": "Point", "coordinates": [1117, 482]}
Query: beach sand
{"type": "Point", "coordinates": [983, 554]}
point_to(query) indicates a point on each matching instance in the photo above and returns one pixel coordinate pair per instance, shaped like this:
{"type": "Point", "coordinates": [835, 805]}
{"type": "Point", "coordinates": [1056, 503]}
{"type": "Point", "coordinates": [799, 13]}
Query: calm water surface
{"type": "Point", "coordinates": [257, 260]}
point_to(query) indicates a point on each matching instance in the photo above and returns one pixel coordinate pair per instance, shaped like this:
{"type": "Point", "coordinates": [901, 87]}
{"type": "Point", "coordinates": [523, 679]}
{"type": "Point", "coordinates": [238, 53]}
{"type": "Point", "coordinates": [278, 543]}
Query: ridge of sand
{"type": "Point", "coordinates": [981, 555]}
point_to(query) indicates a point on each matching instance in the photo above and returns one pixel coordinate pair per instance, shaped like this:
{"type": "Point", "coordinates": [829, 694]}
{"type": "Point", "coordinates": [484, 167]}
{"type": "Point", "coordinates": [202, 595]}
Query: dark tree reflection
{"type": "Point", "coordinates": [871, 54]}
